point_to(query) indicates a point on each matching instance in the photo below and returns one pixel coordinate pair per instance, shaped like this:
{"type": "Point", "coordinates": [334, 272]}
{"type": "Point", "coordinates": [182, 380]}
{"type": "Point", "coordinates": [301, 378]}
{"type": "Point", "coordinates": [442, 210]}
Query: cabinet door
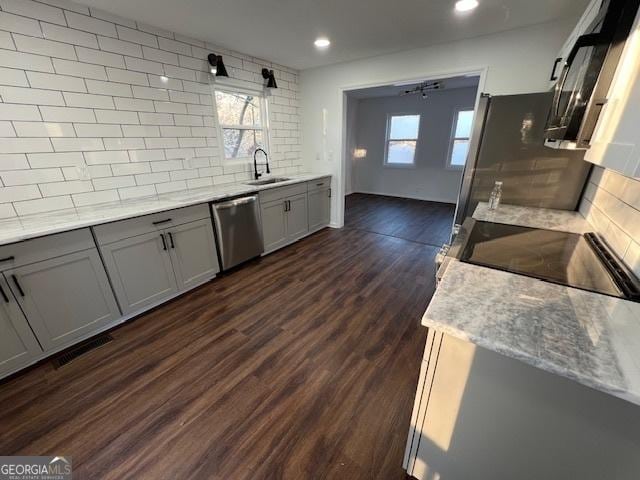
{"type": "Point", "coordinates": [319, 208]}
{"type": "Point", "coordinates": [274, 228]}
{"type": "Point", "coordinates": [64, 298]}
{"type": "Point", "coordinates": [140, 270]}
{"type": "Point", "coordinates": [297, 217]}
{"type": "Point", "coordinates": [193, 253]}
{"type": "Point", "coordinates": [17, 343]}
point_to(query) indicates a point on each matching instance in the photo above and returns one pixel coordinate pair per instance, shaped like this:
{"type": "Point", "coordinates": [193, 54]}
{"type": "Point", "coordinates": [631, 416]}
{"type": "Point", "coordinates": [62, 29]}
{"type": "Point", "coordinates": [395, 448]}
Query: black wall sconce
{"type": "Point", "coordinates": [217, 65]}
{"type": "Point", "coordinates": [270, 77]}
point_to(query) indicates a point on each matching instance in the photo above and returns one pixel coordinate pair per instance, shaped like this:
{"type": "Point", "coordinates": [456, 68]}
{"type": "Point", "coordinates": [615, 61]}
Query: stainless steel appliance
{"type": "Point", "coordinates": [238, 230]}
{"type": "Point", "coordinates": [583, 85]}
{"type": "Point", "coordinates": [507, 144]}
{"type": "Point", "coordinates": [580, 261]}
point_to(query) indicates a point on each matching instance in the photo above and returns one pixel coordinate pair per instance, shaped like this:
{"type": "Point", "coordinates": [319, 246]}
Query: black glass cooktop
{"type": "Point", "coordinates": [564, 258]}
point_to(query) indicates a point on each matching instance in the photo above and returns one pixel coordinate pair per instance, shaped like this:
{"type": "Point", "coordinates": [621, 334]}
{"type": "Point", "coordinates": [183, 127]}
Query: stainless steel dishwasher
{"type": "Point", "coordinates": [238, 230]}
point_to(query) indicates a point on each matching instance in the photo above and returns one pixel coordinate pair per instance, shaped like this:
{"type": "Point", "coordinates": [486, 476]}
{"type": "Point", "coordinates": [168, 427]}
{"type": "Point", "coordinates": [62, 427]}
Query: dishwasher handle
{"type": "Point", "coordinates": [235, 203]}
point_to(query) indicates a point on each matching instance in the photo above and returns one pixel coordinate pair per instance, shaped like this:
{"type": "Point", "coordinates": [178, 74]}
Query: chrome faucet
{"type": "Point", "coordinates": [255, 163]}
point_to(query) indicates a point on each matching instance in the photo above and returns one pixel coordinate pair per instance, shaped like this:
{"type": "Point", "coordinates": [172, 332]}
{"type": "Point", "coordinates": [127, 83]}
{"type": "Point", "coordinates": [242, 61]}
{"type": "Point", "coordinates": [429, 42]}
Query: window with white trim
{"type": "Point", "coordinates": [459, 148]}
{"type": "Point", "coordinates": [402, 139]}
{"type": "Point", "coordinates": [241, 122]}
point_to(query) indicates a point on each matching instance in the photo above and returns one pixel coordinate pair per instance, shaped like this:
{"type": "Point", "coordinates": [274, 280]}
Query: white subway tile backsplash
{"type": "Point", "coordinates": [48, 160]}
{"type": "Point", "coordinates": [67, 114]}
{"type": "Point", "coordinates": [13, 161]}
{"type": "Point", "coordinates": [89, 24]}
{"type": "Point", "coordinates": [98, 57]}
{"type": "Point", "coordinates": [114, 116]}
{"type": "Point", "coordinates": [43, 205]}
{"type": "Point", "coordinates": [77, 144]}
{"type": "Point", "coordinates": [69, 35]}
{"type": "Point", "coordinates": [125, 76]}
{"type": "Point", "coordinates": [43, 129]}
{"type": "Point", "coordinates": [19, 24]}
{"type": "Point", "coordinates": [108, 88]}
{"type": "Point", "coordinates": [11, 59]}
{"type": "Point", "coordinates": [52, 81]}
{"type": "Point", "coordinates": [94, 198]}
{"type": "Point", "coordinates": [79, 69]}
{"type": "Point", "coordinates": [97, 130]}
{"type": "Point", "coordinates": [88, 100]}
{"type": "Point", "coordinates": [41, 46]}
{"type": "Point", "coordinates": [16, 194]}
{"type": "Point", "coordinates": [35, 10]}
{"type": "Point", "coordinates": [130, 103]}
{"type": "Point", "coordinates": [25, 145]}
{"type": "Point", "coordinates": [55, 189]}
{"type": "Point", "coordinates": [31, 177]}
{"type": "Point", "coordinates": [31, 96]}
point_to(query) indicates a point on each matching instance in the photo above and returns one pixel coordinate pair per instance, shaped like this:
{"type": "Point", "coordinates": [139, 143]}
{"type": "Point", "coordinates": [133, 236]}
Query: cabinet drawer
{"type": "Point", "coordinates": [132, 227]}
{"type": "Point", "coordinates": [282, 192]}
{"type": "Point", "coordinates": [37, 249]}
{"type": "Point", "coordinates": [318, 184]}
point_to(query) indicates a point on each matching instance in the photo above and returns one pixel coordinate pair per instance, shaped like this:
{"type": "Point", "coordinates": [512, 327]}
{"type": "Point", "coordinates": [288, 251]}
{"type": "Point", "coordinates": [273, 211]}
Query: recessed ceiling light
{"type": "Point", "coordinates": [466, 5]}
{"type": "Point", "coordinates": [322, 42]}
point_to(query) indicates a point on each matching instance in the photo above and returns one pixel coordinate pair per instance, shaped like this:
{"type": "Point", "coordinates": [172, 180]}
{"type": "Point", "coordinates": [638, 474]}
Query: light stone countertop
{"type": "Point", "coordinates": [38, 225]}
{"type": "Point", "coordinates": [590, 338]}
{"type": "Point", "coordinates": [550, 219]}
{"type": "Point", "coordinates": [587, 337]}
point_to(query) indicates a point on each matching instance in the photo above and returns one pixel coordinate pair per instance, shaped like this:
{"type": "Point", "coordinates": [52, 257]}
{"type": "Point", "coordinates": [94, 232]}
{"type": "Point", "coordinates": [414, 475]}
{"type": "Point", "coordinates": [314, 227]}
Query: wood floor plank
{"type": "Point", "coordinates": [302, 364]}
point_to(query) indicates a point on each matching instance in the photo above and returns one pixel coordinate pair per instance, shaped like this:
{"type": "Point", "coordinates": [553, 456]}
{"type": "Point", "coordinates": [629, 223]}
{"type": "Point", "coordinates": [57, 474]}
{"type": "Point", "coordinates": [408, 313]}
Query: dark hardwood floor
{"type": "Point", "coordinates": [300, 365]}
{"type": "Point", "coordinates": [415, 220]}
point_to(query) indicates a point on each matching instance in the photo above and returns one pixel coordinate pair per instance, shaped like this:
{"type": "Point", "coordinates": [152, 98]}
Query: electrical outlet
{"type": "Point", "coordinates": [188, 163]}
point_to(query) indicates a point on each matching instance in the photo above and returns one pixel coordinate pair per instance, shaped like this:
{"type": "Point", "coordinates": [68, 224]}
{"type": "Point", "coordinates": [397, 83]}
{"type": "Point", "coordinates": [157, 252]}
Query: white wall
{"type": "Point", "coordinates": [611, 203]}
{"type": "Point", "coordinates": [516, 61]}
{"type": "Point", "coordinates": [81, 86]}
{"type": "Point", "coordinates": [430, 178]}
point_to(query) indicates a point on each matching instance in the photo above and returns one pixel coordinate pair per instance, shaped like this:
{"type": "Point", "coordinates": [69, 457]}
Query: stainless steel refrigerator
{"type": "Point", "coordinates": [507, 144]}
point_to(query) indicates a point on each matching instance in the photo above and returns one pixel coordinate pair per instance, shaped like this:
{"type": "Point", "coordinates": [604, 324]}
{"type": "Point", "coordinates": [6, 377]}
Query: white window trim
{"type": "Point", "coordinates": [265, 127]}
{"type": "Point", "coordinates": [453, 138]}
{"type": "Point", "coordinates": [387, 140]}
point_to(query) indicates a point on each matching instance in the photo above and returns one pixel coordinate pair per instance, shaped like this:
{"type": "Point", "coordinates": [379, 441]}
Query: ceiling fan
{"type": "Point", "coordinates": [423, 88]}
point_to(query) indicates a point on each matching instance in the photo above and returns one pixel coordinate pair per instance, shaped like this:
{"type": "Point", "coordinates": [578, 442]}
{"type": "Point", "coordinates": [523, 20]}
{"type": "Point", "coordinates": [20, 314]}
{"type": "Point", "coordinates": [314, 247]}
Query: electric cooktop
{"type": "Point", "coordinates": [580, 261]}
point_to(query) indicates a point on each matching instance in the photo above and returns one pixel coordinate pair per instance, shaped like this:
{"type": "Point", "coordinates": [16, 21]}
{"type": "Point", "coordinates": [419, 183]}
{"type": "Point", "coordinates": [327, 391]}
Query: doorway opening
{"type": "Point", "coordinates": [406, 145]}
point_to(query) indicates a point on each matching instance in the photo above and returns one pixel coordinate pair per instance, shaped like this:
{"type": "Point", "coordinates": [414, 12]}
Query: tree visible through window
{"type": "Point", "coordinates": [402, 138]}
{"type": "Point", "coordinates": [240, 120]}
{"type": "Point", "coordinates": [460, 138]}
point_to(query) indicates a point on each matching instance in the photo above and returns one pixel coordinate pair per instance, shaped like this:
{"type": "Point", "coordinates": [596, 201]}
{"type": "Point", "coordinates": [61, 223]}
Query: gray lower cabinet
{"type": "Point", "coordinates": [193, 253]}
{"type": "Point", "coordinates": [284, 221]}
{"type": "Point", "coordinates": [297, 217]}
{"type": "Point", "coordinates": [274, 225]}
{"type": "Point", "coordinates": [319, 208]}
{"type": "Point", "coordinates": [18, 345]}
{"type": "Point", "coordinates": [147, 269]}
{"type": "Point", "coordinates": [64, 298]}
{"type": "Point", "coordinates": [140, 270]}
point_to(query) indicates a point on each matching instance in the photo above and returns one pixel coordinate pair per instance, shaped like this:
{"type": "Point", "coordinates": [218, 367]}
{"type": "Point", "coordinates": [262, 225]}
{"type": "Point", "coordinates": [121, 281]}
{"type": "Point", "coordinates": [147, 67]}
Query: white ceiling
{"type": "Point", "coordinates": [283, 31]}
{"type": "Point", "coordinates": [395, 90]}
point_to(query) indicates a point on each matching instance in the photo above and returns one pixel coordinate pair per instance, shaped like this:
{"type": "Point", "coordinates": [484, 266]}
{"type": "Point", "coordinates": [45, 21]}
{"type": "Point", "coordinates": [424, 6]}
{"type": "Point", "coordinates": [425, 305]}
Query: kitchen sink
{"type": "Point", "coordinates": [268, 181]}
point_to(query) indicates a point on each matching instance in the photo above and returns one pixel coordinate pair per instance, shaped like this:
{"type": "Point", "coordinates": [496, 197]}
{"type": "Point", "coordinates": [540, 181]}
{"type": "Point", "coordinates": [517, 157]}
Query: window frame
{"type": "Point", "coordinates": [453, 138]}
{"type": "Point", "coordinates": [264, 127]}
{"type": "Point", "coordinates": [388, 139]}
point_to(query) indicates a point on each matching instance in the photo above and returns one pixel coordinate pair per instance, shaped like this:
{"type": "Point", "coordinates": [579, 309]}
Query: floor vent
{"type": "Point", "coordinates": [72, 354]}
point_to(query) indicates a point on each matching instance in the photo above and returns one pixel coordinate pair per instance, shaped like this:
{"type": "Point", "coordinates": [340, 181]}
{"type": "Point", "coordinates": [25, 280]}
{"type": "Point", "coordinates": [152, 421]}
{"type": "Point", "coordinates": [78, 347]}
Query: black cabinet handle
{"type": "Point", "coordinates": [319, 184]}
{"type": "Point", "coordinates": [286, 204]}
{"type": "Point", "coordinates": [160, 222]}
{"type": "Point", "coordinates": [553, 71]}
{"type": "Point", "coordinates": [17, 283]}
{"type": "Point", "coordinates": [164, 242]}
{"type": "Point", "coordinates": [7, 259]}
{"type": "Point", "coordinates": [4, 295]}
{"type": "Point", "coordinates": [173, 245]}
{"type": "Point", "coordinates": [329, 193]}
